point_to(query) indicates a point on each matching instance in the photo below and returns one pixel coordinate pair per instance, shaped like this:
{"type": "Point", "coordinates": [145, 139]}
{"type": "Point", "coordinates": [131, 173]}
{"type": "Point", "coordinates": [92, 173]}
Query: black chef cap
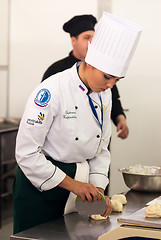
{"type": "Point", "coordinates": [79, 24]}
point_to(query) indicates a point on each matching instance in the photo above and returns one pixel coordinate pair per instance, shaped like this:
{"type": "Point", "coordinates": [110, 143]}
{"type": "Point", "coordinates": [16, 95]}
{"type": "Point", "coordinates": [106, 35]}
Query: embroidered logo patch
{"type": "Point", "coordinates": [36, 121]}
{"type": "Point", "coordinates": [42, 97]}
{"type": "Point", "coordinates": [33, 121]}
{"type": "Point", "coordinates": [41, 116]}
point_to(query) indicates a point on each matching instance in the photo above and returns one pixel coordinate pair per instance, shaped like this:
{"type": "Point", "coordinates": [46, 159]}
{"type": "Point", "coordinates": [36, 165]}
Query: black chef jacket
{"type": "Point", "coordinates": [68, 62]}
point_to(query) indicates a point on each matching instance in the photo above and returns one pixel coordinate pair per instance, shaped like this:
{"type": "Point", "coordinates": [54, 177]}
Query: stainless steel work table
{"type": "Point", "coordinates": [76, 227]}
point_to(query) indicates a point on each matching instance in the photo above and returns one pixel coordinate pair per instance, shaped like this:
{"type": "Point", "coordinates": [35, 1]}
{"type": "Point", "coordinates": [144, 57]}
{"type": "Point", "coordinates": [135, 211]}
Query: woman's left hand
{"type": "Point", "coordinates": [108, 208]}
{"type": "Point", "coordinates": [108, 204]}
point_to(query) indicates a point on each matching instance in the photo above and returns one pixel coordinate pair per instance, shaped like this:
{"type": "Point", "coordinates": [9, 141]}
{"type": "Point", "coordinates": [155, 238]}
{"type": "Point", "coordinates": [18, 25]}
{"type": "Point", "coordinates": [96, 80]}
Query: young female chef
{"type": "Point", "coordinates": [63, 136]}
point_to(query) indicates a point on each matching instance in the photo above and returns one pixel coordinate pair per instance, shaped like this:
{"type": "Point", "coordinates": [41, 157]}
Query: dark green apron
{"type": "Point", "coordinates": [32, 207]}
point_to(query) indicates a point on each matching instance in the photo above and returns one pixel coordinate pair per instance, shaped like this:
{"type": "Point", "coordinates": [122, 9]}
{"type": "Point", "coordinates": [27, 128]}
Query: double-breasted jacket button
{"type": "Point", "coordinates": [76, 138]}
{"type": "Point", "coordinates": [98, 136]}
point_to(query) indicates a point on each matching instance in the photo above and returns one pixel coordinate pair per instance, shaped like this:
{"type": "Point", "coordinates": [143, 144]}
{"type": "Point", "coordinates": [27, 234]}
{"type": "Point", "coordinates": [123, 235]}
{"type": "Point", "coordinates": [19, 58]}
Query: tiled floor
{"type": "Point", "coordinates": [7, 223]}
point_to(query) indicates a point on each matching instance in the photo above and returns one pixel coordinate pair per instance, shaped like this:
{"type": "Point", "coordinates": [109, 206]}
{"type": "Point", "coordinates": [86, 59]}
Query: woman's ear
{"type": "Point", "coordinates": [88, 65]}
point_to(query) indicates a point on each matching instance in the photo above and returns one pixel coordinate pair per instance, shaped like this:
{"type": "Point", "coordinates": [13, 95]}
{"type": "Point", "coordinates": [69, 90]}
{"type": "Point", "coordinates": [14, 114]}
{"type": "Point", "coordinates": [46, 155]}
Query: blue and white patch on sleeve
{"type": "Point", "coordinates": [42, 98]}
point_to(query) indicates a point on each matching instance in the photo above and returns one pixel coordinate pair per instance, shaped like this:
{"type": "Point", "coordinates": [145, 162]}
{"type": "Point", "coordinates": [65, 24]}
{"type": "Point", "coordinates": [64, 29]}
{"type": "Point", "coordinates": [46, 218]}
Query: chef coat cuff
{"type": "Point", "coordinates": [99, 180]}
{"type": "Point", "coordinates": [56, 178]}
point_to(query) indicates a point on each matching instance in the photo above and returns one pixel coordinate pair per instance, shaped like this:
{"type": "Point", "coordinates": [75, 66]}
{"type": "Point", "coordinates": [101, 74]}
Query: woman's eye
{"type": "Point", "coordinates": [87, 38]}
{"type": "Point", "coordinates": [106, 77]}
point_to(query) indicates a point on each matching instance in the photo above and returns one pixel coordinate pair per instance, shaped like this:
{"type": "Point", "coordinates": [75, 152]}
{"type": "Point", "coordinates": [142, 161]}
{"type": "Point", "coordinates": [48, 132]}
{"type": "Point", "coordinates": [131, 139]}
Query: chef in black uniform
{"type": "Point", "coordinates": [81, 30]}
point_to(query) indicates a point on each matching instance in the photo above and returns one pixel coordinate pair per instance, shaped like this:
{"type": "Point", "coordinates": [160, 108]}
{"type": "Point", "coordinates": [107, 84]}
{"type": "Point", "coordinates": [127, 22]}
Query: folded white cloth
{"type": "Point", "coordinates": [82, 175]}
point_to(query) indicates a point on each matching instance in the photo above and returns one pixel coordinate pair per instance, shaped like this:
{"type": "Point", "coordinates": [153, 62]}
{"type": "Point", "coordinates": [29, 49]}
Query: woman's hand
{"type": "Point", "coordinates": [108, 204]}
{"type": "Point", "coordinates": [108, 208]}
{"type": "Point", "coordinates": [87, 191]}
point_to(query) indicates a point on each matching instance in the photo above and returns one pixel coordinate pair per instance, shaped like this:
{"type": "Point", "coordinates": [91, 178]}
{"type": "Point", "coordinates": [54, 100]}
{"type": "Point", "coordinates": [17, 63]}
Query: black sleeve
{"type": "Point", "coordinates": [116, 105]}
{"type": "Point", "coordinates": [50, 71]}
{"type": "Point", "coordinates": [55, 68]}
{"type": "Point", "coordinates": [59, 66]}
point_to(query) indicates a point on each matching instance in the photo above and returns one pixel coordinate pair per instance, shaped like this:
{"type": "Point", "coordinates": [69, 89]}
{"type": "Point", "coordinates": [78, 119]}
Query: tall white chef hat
{"type": "Point", "coordinates": [113, 45]}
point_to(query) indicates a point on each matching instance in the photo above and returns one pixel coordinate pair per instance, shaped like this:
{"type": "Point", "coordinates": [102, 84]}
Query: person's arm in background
{"type": "Point", "coordinates": [117, 114]}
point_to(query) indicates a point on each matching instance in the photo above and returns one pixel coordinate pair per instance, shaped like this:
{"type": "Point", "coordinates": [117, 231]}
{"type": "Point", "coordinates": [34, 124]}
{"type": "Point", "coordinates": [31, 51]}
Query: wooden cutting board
{"type": "Point", "coordinates": [139, 219]}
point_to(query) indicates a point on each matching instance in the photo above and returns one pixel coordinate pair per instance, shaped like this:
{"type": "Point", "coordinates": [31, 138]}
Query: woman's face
{"type": "Point", "coordinates": [99, 81]}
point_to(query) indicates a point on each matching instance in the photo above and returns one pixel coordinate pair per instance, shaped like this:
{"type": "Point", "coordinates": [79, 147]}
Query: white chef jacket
{"type": "Point", "coordinates": [58, 122]}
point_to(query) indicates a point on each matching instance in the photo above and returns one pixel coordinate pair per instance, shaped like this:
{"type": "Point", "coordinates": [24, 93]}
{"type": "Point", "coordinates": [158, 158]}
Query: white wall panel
{"type": "Point", "coordinates": [3, 32]}
{"type": "Point", "coordinates": [140, 92]}
{"type": "Point", "coordinates": [36, 41]}
{"type": "Point", "coordinates": [3, 56]}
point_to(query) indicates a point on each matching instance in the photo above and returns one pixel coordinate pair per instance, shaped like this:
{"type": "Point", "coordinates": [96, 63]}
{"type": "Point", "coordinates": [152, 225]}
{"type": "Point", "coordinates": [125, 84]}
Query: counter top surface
{"type": "Point", "coordinates": [7, 125]}
{"type": "Point", "coordinates": [75, 227]}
